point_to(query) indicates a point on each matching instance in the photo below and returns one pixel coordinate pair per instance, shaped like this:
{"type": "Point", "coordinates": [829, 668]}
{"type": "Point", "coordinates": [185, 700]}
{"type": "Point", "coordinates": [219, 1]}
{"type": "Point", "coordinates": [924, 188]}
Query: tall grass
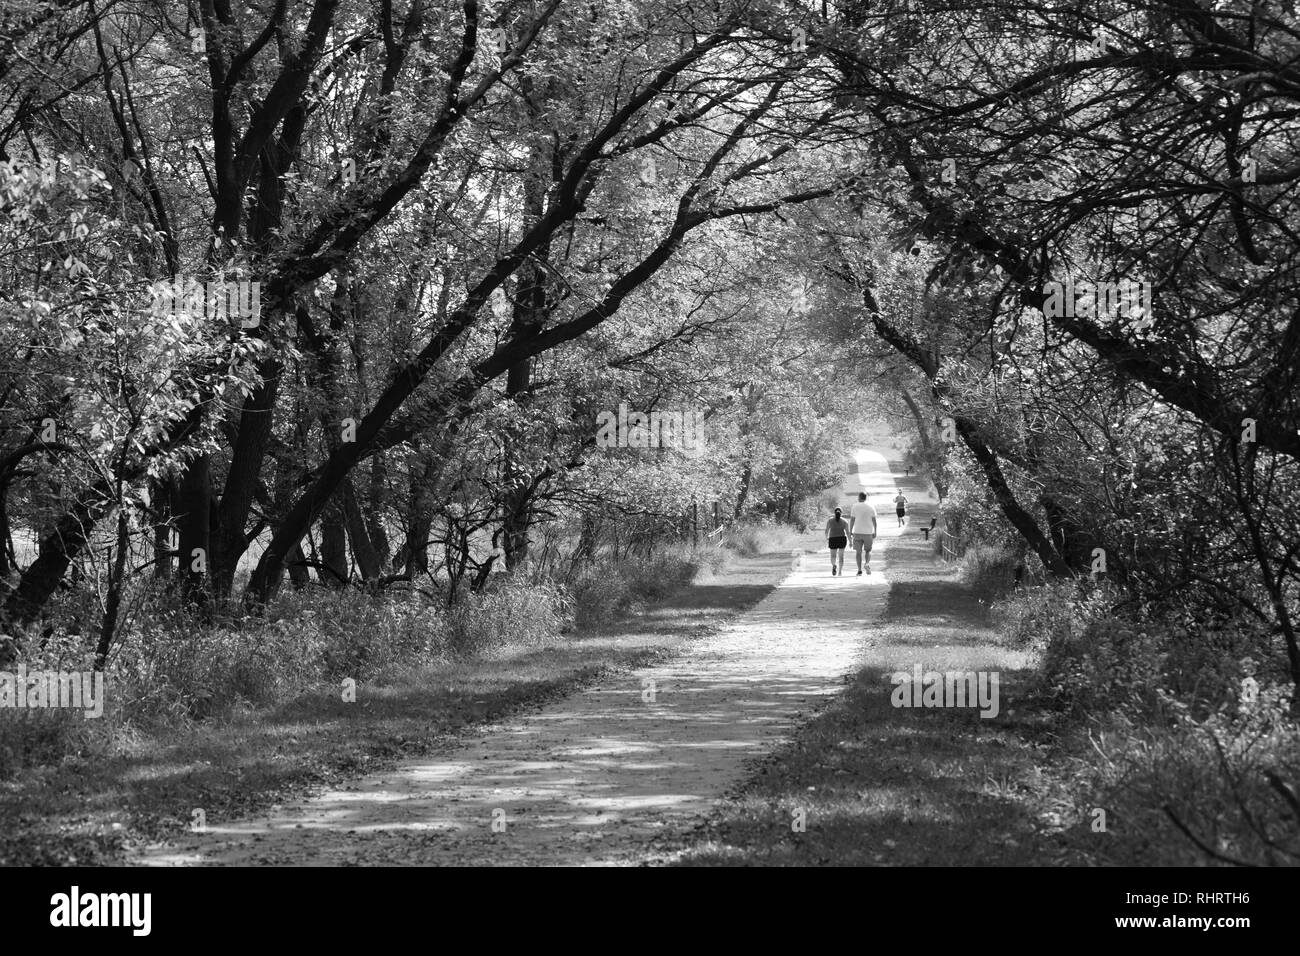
{"type": "Point", "coordinates": [755, 538]}
{"type": "Point", "coordinates": [170, 671]}
{"type": "Point", "coordinates": [174, 671]}
{"type": "Point", "coordinates": [1220, 789]}
{"type": "Point", "coordinates": [990, 571]}
{"type": "Point", "coordinates": [1178, 730]}
{"type": "Point", "coordinates": [607, 589]}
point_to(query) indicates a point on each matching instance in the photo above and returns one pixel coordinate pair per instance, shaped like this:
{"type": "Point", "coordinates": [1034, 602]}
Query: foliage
{"type": "Point", "coordinates": [1217, 788]}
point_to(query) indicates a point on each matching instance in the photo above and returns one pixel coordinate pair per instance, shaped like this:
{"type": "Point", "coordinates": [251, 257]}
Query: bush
{"type": "Point", "coordinates": [354, 634]}
{"type": "Point", "coordinates": [1093, 659]}
{"type": "Point", "coordinates": [1090, 661]}
{"type": "Point", "coordinates": [1053, 614]}
{"type": "Point", "coordinates": [45, 735]}
{"type": "Point", "coordinates": [602, 592]}
{"type": "Point", "coordinates": [665, 572]}
{"type": "Point", "coordinates": [1114, 664]}
{"type": "Point", "coordinates": [517, 614]}
{"type": "Point", "coordinates": [1229, 779]}
{"type": "Point", "coordinates": [990, 571]}
{"type": "Point", "coordinates": [175, 668]}
{"type": "Point", "coordinates": [754, 538]}
{"type": "Point", "coordinates": [812, 513]}
{"type": "Point", "coordinates": [179, 668]}
{"type": "Point", "coordinates": [710, 558]}
{"type": "Point", "coordinates": [37, 737]}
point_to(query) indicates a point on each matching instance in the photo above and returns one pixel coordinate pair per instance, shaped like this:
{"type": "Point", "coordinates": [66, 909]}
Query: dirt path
{"type": "Point", "coordinates": [880, 785]}
{"type": "Point", "coordinates": [593, 778]}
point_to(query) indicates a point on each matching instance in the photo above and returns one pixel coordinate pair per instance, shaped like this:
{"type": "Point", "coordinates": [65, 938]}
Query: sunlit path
{"type": "Point", "coordinates": [593, 778]}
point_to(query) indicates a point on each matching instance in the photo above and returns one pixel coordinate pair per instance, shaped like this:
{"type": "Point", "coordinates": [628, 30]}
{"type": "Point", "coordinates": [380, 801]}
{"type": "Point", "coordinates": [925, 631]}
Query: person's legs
{"type": "Point", "coordinates": [858, 541]}
{"type": "Point", "coordinates": [870, 539]}
{"type": "Point", "coordinates": [838, 557]}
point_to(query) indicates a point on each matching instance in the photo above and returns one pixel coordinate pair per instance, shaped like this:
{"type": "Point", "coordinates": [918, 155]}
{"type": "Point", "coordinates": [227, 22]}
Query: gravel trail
{"type": "Point", "coordinates": [593, 778]}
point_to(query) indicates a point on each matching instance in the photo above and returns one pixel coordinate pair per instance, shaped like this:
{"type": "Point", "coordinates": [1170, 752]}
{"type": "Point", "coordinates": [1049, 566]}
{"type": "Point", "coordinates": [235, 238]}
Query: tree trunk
{"type": "Point", "coordinates": [376, 507]}
{"type": "Point", "coordinates": [516, 523]}
{"type": "Point", "coordinates": [1020, 519]}
{"type": "Point", "coordinates": [194, 524]}
{"type": "Point", "coordinates": [1071, 541]}
{"type": "Point", "coordinates": [57, 549]}
{"type": "Point", "coordinates": [927, 442]}
{"type": "Point", "coordinates": [246, 456]}
{"type": "Point", "coordinates": [299, 576]}
{"type": "Point", "coordinates": [333, 546]}
{"type": "Point", "coordinates": [363, 549]}
{"type": "Point", "coordinates": [528, 318]}
{"type": "Point", "coordinates": [116, 583]}
{"type": "Point", "coordinates": [413, 555]}
{"type": "Point", "coordinates": [6, 537]}
{"type": "Point", "coordinates": [746, 475]}
{"type": "Point", "coordinates": [588, 540]}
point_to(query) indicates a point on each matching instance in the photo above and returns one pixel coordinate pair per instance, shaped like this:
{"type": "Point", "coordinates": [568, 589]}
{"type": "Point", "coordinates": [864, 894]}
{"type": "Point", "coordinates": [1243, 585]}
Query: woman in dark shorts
{"type": "Point", "coordinates": [837, 536]}
{"type": "Point", "coordinates": [900, 507]}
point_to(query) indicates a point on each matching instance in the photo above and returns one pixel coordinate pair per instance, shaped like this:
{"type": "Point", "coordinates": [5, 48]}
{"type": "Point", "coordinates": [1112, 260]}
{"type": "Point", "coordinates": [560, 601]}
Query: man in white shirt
{"type": "Point", "coordinates": [860, 516]}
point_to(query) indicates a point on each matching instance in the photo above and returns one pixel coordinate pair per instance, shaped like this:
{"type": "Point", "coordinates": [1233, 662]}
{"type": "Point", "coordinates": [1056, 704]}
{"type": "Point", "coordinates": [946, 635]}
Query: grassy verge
{"type": "Point", "coordinates": [93, 807]}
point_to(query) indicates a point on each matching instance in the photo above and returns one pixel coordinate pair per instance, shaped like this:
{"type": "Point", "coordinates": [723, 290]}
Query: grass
{"type": "Point", "coordinates": [92, 807]}
{"type": "Point", "coordinates": [749, 540]}
{"type": "Point", "coordinates": [989, 572]}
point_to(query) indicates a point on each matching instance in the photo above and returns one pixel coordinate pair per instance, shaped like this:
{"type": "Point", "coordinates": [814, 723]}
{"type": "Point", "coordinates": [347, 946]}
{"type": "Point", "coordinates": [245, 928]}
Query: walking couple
{"type": "Point", "coordinates": [861, 526]}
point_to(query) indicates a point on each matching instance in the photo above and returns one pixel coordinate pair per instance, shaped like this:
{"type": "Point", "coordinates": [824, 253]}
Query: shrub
{"type": "Point", "coordinates": [354, 634]}
{"type": "Point", "coordinates": [180, 668]}
{"type": "Point", "coordinates": [711, 558]}
{"type": "Point", "coordinates": [1093, 659]}
{"type": "Point", "coordinates": [1052, 614]}
{"type": "Point", "coordinates": [518, 613]}
{"type": "Point", "coordinates": [1228, 779]}
{"type": "Point", "coordinates": [811, 513]}
{"type": "Point", "coordinates": [1113, 664]}
{"type": "Point", "coordinates": [666, 571]}
{"type": "Point", "coordinates": [758, 537]}
{"type": "Point", "coordinates": [600, 593]}
{"type": "Point", "coordinates": [603, 591]}
{"type": "Point", "coordinates": [36, 737]}
{"type": "Point", "coordinates": [45, 735]}
{"type": "Point", "coordinates": [990, 571]}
